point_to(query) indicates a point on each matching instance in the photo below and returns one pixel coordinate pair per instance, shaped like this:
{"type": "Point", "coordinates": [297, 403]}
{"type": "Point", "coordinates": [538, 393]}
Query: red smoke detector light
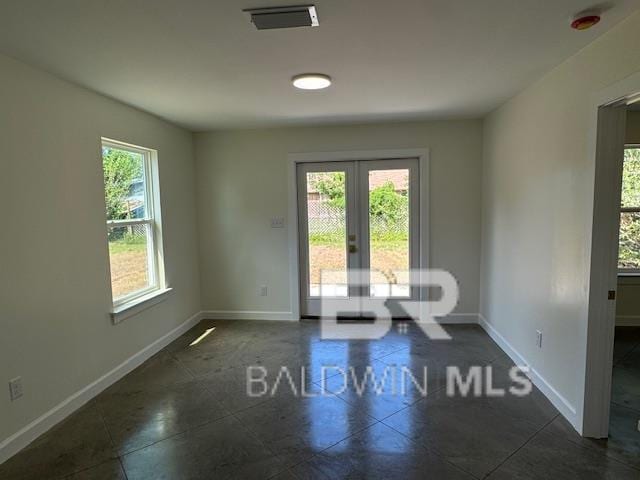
{"type": "Point", "coordinates": [584, 22]}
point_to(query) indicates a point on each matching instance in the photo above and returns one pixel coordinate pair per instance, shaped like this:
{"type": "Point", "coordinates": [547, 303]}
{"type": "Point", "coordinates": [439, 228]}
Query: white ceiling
{"type": "Point", "coordinates": [201, 64]}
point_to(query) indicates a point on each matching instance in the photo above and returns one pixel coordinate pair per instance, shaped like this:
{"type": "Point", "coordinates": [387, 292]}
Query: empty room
{"type": "Point", "coordinates": [362, 239]}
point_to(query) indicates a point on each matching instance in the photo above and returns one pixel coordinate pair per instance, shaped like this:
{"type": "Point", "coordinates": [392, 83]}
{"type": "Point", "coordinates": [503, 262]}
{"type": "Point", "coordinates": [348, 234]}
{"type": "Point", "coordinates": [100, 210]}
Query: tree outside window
{"type": "Point", "coordinates": [629, 247]}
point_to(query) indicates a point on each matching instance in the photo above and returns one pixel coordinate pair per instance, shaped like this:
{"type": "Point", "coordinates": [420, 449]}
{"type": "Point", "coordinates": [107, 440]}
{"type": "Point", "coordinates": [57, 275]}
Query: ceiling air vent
{"type": "Point", "coordinates": [283, 17]}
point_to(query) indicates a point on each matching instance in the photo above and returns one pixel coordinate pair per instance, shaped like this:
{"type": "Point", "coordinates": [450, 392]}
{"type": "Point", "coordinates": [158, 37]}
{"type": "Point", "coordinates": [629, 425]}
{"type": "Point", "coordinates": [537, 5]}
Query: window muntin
{"type": "Point", "coordinates": [629, 246]}
{"type": "Point", "coordinates": [132, 223]}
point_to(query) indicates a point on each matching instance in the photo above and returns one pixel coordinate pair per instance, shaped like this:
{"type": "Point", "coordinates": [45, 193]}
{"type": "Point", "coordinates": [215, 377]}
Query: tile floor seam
{"type": "Point", "coordinates": [613, 402]}
{"type": "Point", "coordinates": [430, 392]}
{"type": "Point", "coordinates": [390, 353]}
{"type": "Point", "coordinates": [182, 432]}
{"type": "Point", "coordinates": [124, 471]}
{"type": "Point", "coordinates": [522, 446]}
{"type": "Point", "coordinates": [179, 382]}
{"type": "Point", "coordinates": [113, 445]}
{"type": "Point", "coordinates": [604, 453]}
{"type": "Point", "coordinates": [618, 460]}
{"type": "Point", "coordinates": [621, 359]}
{"type": "Point", "coordinates": [334, 444]}
{"type": "Point", "coordinates": [528, 422]}
{"type": "Point", "coordinates": [267, 447]}
{"type": "Point", "coordinates": [212, 392]}
{"type": "Point", "coordinates": [380, 359]}
{"type": "Point", "coordinates": [84, 469]}
{"type": "Point", "coordinates": [432, 450]}
{"type": "Point", "coordinates": [376, 421]}
{"type": "Point", "coordinates": [106, 427]}
{"type": "Point", "coordinates": [194, 428]}
{"type": "Point", "coordinates": [172, 355]}
{"type": "Point", "coordinates": [622, 462]}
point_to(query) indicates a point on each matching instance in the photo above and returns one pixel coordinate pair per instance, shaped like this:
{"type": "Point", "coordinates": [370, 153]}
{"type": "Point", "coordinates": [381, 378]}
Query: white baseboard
{"type": "Point", "coordinates": [628, 321]}
{"type": "Point", "coordinates": [456, 318]}
{"type": "Point", "coordinates": [247, 315]}
{"type": "Point", "coordinates": [562, 404]}
{"type": "Point", "coordinates": [40, 425]}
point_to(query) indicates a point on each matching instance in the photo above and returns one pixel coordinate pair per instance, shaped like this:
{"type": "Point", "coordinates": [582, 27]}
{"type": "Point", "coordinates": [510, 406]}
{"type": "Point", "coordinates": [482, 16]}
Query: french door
{"type": "Point", "coordinates": [358, 236]}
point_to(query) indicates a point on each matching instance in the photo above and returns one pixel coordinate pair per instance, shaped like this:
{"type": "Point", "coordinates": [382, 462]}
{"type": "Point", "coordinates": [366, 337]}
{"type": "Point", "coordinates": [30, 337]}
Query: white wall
{"type": "Point", "coordinates": [537, 201]}
{"type": "Point", "coordinates": [242, 183]}
{"type": "Point", "coordinates": [633, 127]}
{"type": "Point", "coordinates": [54, 286]}
{"type": "Point", "coordinates": [628, 301]}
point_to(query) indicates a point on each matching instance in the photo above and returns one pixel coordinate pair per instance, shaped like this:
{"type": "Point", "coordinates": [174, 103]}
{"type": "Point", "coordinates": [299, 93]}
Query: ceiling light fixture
{"type": "Point", "coordinates": [311, 81]}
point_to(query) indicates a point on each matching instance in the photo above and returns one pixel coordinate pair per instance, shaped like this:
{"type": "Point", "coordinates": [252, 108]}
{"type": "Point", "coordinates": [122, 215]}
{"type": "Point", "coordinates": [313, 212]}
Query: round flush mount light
{"type": "Point", "coordinates": [582, 22]}
{"type": "Point", "coordinates": [311, 81]}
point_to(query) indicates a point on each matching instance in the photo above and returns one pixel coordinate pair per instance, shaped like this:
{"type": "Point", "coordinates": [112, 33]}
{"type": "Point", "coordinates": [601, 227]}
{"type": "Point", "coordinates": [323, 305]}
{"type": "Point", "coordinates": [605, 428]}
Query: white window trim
{"type": "Point", "coordinates": [158, 290]}
{"type": "Point", "coordinates": [629, 272]}
{"type": "Point", "coordinates": [139, 304]}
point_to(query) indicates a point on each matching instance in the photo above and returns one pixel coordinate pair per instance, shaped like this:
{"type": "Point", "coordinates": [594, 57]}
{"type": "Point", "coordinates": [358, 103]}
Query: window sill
{"type": "Point", "coordinates": [129, 309]}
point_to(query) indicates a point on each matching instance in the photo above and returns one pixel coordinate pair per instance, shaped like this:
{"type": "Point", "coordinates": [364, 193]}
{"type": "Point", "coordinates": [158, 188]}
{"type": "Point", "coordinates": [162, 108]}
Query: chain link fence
{"type": "Point", "coordinates": [328, 223]}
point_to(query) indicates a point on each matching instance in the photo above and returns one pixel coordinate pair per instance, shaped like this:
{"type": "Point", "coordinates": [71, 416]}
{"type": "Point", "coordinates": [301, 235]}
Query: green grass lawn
{"type": "Point", "coordinates": [388, 256]}
{"type": "Point", "coordinates": [120, 246]}
{"type": "Point", "coordinates": [128, 261]}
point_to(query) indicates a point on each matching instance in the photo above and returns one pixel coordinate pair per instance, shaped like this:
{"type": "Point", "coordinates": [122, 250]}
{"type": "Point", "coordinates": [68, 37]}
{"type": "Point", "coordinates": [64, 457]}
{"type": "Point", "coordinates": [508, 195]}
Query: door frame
{"type": "Point", "coordinates": [422, 154]}
{"type": "Point", "coordinates": [606, 144]}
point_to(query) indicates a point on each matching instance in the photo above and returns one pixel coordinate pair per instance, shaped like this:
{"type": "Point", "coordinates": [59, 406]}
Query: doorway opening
{"type": "Point", "coordinates": [611, 406]}
{"type": "Point", "coordinates": [624, 413]}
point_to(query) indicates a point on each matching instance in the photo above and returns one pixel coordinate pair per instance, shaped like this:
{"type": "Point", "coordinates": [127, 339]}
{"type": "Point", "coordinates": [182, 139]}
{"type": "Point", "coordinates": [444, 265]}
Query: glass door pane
{"type": "Point", "coordinates": [388, 200]}
{"type": "Point", "coordinates": [327, 233]}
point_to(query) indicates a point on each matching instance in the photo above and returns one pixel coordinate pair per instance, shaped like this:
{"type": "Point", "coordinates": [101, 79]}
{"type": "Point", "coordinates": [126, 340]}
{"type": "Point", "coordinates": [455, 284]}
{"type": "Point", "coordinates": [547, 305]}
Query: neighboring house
{"type": "Point", "coordinates": [377, 178]}
{"type": "Point", "coordinates": [399, 178]}
{"type": "Point", "coordinates": [135, 200]}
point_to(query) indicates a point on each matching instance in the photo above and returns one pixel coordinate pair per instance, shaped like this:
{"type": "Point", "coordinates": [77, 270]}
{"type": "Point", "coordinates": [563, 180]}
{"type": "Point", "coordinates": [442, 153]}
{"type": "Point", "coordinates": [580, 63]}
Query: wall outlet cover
{"type": "Point", "coordinates": [277, 222]}
{"type": "Point", "coordinates": [15, 388]}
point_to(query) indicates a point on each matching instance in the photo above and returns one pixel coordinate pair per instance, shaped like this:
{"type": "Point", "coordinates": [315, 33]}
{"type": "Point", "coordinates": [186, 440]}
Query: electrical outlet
{"type": "Point", "coordinates": [539, 338]}
{"type": "Point", "coordinates": [15, 388]}
{"type": "Point", "coordinates": [277, 222]}
{"type": "Point", "coordinates": [263, 290]}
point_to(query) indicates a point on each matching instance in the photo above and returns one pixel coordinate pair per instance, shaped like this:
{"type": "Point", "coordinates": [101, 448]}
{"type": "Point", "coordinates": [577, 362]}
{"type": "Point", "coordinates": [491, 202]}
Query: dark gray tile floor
{"type": "Point", "coordinates": [189, 413]}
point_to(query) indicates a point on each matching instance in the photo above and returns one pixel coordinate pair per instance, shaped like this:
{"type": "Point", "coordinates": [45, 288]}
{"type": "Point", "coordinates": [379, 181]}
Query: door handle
{"type": "Point", "coordinates": [353, 248]}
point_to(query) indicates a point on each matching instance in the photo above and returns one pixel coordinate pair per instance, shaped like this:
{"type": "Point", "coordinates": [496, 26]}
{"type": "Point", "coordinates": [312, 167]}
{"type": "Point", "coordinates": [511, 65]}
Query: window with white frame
{"type": "Point", "coordinates": [629, 247]}
{"type": "Point", "coordinates": [133, 221]}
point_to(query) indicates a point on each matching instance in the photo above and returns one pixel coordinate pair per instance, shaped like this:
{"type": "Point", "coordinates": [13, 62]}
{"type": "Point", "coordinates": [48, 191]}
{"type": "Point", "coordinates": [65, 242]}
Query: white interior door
{"type": "Point", "coordinates": [358, 236]}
